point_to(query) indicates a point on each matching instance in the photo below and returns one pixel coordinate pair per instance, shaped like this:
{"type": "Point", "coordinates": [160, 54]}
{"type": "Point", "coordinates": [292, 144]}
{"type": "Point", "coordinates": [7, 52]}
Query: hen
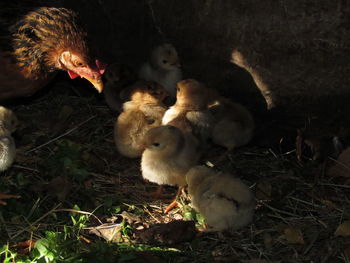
{"type": "Point", "coordinates": [44, 40]}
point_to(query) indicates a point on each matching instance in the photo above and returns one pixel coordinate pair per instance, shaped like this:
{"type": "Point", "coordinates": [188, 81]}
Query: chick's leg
{"type": "Point", "coordinates": [6, 196]}
{"type": "Point", "coordinates": [174, 203]}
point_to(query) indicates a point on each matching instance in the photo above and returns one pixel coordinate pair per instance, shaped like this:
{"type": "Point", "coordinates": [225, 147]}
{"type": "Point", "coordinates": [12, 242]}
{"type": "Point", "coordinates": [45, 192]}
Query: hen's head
{"type": "Point", "coordinates": [47, 39]}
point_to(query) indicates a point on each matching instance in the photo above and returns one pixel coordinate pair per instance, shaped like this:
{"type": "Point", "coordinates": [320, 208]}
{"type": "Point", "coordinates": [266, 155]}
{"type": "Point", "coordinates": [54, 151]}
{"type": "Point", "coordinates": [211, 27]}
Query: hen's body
{"type": "Point", "coordinates": [14, 84]}
{"type": "Point", "coordinates": [35, 45]}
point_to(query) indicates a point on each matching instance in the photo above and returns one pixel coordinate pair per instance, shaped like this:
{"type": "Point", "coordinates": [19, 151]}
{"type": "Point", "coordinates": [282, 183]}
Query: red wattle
{"type": "Point", "coordinates": [72, 74]}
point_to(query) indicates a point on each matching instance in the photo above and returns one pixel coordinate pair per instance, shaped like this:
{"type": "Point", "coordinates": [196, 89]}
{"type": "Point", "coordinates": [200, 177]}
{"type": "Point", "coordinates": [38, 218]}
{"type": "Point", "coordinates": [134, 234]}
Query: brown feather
{"type": "Point", "coordinates": [41, 35]}
{"type": "Point", "coordinates": [40, 42]}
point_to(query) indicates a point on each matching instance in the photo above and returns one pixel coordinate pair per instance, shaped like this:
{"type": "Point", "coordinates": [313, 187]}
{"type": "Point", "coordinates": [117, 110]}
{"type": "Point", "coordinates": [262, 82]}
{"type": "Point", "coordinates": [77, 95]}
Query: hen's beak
{"type": "Point", "coordinates": [98, 83]}
{"type": "Point", "coordinates": [97, 80]}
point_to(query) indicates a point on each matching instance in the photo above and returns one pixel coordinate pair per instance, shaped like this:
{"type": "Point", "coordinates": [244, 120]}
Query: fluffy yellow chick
{"type": "Point", "coordinates": [8, 124]}
{"type": "Point", "coordinates": [225, 202]}
{"type": "Point", "coordinates": [192, 98]}
{"type": "Point", "coordinates": [234, 124]}
{"type": "Point", "coordinates": [143, 112]}
{"type": "Point", "coordinates": [163, 67]}
{"type": "Point", "coordinates": [8, 121]}
{"type": "Point", "coordinates": [117, 77]}
{"type": "Point", "coordinates": [168, 155]}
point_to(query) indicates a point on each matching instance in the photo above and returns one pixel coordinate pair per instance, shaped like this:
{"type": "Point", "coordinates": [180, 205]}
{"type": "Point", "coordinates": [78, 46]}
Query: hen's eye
{"type": "Point", "coordinates": [155, 144]}
{"type": "Point", "coordinates": [79, 64]}
{"type": "Point", "coordinates": [165, 61]}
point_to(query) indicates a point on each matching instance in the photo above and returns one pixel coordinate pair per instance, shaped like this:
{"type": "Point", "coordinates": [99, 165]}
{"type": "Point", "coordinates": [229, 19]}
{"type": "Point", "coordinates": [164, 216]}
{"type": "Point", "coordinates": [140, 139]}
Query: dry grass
{"type": "Point", "coordinates": [299, 208]}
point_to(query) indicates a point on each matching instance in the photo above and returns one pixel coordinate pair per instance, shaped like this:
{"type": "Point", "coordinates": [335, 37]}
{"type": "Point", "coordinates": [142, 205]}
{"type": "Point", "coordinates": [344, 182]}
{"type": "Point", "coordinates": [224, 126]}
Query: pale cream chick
{"type": "Point", "coordinates": [7, 151]}
{"type": "Point", "coordinates": [8, 125]}
{"type": "Point", "coordinates": [143, 112]}
{"type": "Point", "coordinates": [225, 202]}
{"type": "Point", "coordinates": [118, 78]}
{"type": "Point", "coordinates": [192, 98]}
{"type": "Point", "coordinates": [169, 154]}
{"type": "Point", "coordinates": [234, 124]}
{"type": "Point", "coordinates": [163, 67]}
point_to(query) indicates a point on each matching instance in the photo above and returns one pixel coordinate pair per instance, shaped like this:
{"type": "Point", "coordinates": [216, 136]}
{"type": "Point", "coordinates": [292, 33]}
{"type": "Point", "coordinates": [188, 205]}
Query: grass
{"type": "Point", "coordinates": [72, 179]}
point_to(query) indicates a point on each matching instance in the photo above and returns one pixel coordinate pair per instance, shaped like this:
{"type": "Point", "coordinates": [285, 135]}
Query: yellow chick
{"type": "Point", "coordinates": [234, 124]}
{"type": "Point", "coordinates": [8, 121]}
{"type": "Point", "coordinates": [7, 151]}
{"type": "Point", "coordinates": [225, 202]}
{"type": "Point", "coordinates": [143, 112]}
{"type": "Point", "coordinates": [8, 124]}
{"type": "Point", "coordinates": [192, 98]}
{"type": "Point", "coordinates": [117, 78]}
{"type": "Point", "coordinates": [163, 67]}
{"type": "Point", "coordinates": [168, 155]}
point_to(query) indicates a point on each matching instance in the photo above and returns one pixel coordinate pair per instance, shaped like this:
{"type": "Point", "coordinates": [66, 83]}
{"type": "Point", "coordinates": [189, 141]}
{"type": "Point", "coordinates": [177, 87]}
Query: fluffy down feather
{"type": "Point", "coordinates": [143, 112]}
{"type": "Point", "coordinates": [169, 154]}
{"type": "Point", "coordinates": [163, 67]}
{"type": "Point", "coordinates": [225, 201]}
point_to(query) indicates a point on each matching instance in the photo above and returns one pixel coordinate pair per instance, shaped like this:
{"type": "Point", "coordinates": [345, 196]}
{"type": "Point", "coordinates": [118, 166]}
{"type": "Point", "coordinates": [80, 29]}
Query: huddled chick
{"type": "Point", "coordinates": [169, 154]}
{"type": "Point", "coordinates": [118, 77]}
{"type": "Point", "coordinates": [225, 202]}
{"type": "Point", "coordinates": [234, 124]}
{"type": "Point", "coordinates": [143, 112]}
{"type": "Point", "coordinates": [8, 125]}
{"type": "Point", "coordinates": [192, 99]}
{"type": "Point", "coordinates": [163, 67]}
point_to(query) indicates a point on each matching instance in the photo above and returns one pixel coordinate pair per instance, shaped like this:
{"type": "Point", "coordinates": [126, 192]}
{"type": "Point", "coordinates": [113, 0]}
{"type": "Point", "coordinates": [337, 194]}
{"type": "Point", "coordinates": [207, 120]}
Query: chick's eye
{"type": "Point", "coordinates": [155, 144]}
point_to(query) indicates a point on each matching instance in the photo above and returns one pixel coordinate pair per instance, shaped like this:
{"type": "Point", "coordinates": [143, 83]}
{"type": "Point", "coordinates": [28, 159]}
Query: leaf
{"type": "Point", "coordinates": [294, 235]}
{"type": "Point", "coordinates": [343, 229]}
{"type": "Point", "coordinates": [111, 233]}
{"type": "Point", "coordinates": [41, 246]}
